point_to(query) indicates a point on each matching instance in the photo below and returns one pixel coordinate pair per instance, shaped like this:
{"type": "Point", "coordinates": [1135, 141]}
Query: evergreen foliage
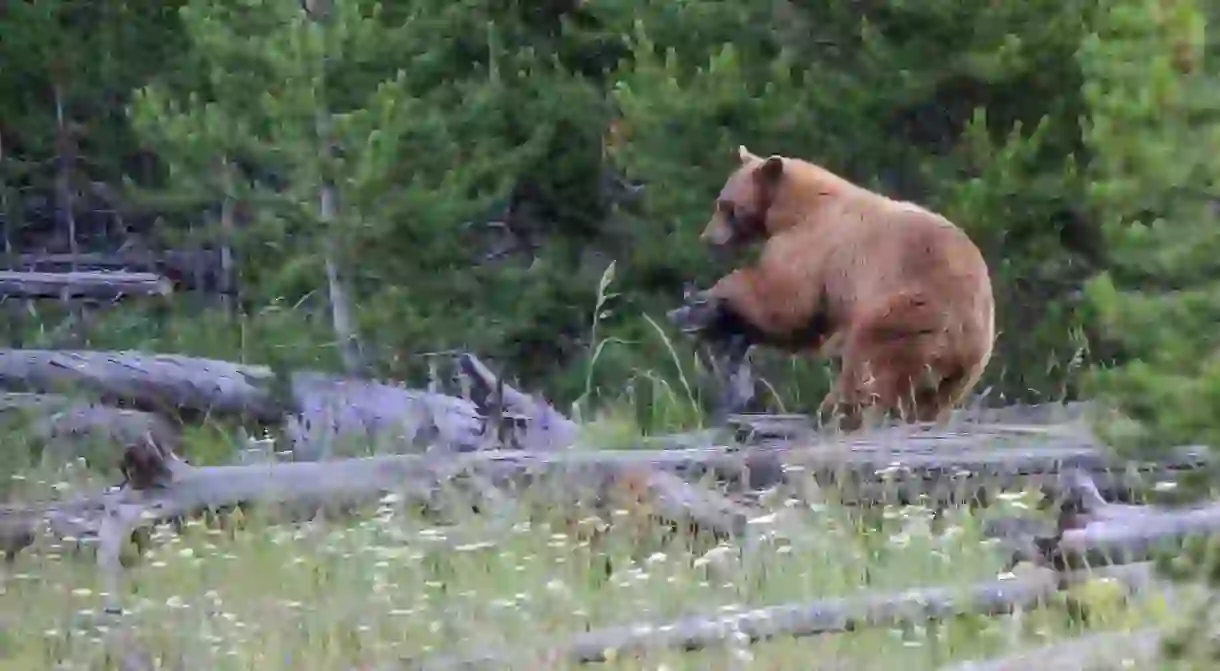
{"type": "Point", "coordinates": [486, 157]}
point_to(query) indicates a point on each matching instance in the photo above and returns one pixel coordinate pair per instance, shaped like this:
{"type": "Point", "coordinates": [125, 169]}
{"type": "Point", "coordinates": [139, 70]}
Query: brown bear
{"type": "Point", "coordinates": [898, 293]}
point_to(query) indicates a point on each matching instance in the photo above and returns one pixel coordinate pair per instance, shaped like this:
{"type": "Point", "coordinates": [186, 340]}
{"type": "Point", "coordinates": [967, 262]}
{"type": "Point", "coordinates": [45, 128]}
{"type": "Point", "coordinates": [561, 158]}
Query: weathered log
{"type": "Point", "coordinates": [319, 409]}
{"type": "Point", "coordinates": [182, 490]}
{"type": "Point", "coordinates": [63, 425]}
{"type": "Point", "coordinates": [333, 412]}
{"type": "Point", "coordinates": [1138, 649]}
{"type": "Point", "coordinates": [185, 266]}
{"type": "Point", "coordinates": [1123, 539]}
{"type": "Point", "coordinates": [1053, 419]}
{"type": "Point", "coordinates": [104, 286]}
{"type": "Point", "coordinates": [324, 408]}
{"type": "Point", "coordinates": [312, 485]}
{"type": "Point", "coordinates": [544, 428]}
{"type": "Point", "coordinates": [1096, 532]}
{"type": "Point", "coordinates": [819, 617]}
{"type": "Point", "coordinates": [169, 488]}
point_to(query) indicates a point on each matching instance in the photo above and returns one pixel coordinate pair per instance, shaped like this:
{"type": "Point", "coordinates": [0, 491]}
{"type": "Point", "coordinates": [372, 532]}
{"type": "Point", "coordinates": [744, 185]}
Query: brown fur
{"type": "Point", "coordinates": [898, 292]}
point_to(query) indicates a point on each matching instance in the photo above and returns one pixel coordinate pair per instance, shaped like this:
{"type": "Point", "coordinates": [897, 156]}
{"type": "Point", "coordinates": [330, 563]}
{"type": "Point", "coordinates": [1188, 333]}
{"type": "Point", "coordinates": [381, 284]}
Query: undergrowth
{"type": "Point", "coordinates": [397, 583]}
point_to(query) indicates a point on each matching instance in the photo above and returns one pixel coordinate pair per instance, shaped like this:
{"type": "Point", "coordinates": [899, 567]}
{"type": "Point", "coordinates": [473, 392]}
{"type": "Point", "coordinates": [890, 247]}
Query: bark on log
{"type": "Point", "coordinates": [187, 267]}
{"type": "Point", "coordinates": [544, 428]}
{"type": "Point", "coordinates": [102, 286]}
{"type": "Point", "coordinates": [1112, 650]}
{"type": "Point", "coordinates": [320, 411]}
{"type": "Point", "coordinates": [180, 490]}
{"type": "Point", "coordinates": [1094, 531]}
{"type": "Point", "coordinates": [1136, 537]}
{"type": "Point", "coordinates": [62, 425]}
{"type": "Point", "coordinates": [327, 407]}
{"type": "Point", "coordinates": [820, 617]}
{"type": "Point", "coordinates": [1062, 419]}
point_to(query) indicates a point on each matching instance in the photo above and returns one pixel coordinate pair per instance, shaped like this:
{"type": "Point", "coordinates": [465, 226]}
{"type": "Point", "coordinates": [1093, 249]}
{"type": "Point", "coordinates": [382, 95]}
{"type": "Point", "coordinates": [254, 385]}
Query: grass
{"type": "Point", "coordinates": [393, 584]}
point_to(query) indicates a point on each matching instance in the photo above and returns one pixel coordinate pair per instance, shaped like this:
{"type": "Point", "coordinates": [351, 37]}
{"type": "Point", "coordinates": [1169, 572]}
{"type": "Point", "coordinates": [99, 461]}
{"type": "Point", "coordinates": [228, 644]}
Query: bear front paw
{"type": "Point", "coordinates": [699, 311]}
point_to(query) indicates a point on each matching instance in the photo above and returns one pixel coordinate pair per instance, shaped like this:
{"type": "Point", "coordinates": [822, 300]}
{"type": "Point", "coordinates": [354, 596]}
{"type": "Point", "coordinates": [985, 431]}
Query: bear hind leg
{"type": "Point", "coordinates": [897, 376]}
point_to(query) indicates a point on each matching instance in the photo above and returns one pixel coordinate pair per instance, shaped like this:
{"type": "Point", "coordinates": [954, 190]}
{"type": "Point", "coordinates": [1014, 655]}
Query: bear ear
{"type": "Point", "coordinates": [744, 154]}
{"type": "Point", "coordinates": [771, 169]}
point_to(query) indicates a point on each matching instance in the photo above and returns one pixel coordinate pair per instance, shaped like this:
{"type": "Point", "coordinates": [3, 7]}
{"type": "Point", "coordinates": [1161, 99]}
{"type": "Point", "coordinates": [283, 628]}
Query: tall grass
{"type": "Point", "coordinates": [396, 582]}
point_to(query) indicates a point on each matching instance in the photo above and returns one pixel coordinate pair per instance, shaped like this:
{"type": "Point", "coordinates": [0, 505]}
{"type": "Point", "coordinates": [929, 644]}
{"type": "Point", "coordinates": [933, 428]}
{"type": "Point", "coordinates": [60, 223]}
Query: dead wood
{"type": "Point", "coordinates": [1118, 649]}
{"type": "Point", "coordinates": [62, 425]}
{"type": "Point", "coordinates": [20, 525]}
{"type": "Point", "coordinates": [103, 286]}
{"type": "Point", "coordinates": [1134, 537]}
{"type": "Point", "coordinates": [1094, 531]}
{"type": "Point", "coordinates": [542, 427]}
{"type": "Point", "coordinates": [162, 487]}
{"type": "Point", "coordinates": [178, 489]}
{"type": "Point", "coordinates": [820, 617]}
{"type": "Point", "coordinates": [318, 410]}
{"type": "Point", "coordinates": [1043, 419]}
{"type": "Point", "coordinates": [679, 501]}
{"type": "Point", "coordinates": [185, 266]}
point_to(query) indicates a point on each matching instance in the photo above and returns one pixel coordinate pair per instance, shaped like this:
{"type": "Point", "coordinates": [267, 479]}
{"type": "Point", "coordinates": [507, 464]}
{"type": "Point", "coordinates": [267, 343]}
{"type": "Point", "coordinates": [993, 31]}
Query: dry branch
{"type": "Point", "coordinates": [1057, 419]}
{"type": "Point", "coordinates": [102, 286]}
{"type": "Point", "coordinates": [544, 427]}
{"type": "Point", "coordinates": [820, 617]}
{"type": "Point", "coordinates": [547, 429]}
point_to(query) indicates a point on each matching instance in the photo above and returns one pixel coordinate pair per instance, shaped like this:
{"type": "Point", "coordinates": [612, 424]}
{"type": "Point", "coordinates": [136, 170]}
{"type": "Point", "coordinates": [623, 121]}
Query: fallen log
{"type": "Point", "coordinates": [323, 409]}
{"type": "Point", "coordinates": [318, 410]}
{"type": "Point", "coordinates": [1060, 419]}
{"type": "Point", "coordinates": [1093, 531]}
{"type": "Point", "coordinates": [102, 286]}
{"type": "Point", "coordinates": [194, 269]}
{"type": "Point", "coordinates": [544, 428]}
{"type": "Point", "coordinates": [169, 489]}
{"type": "Point", "coordinates": [1119, 649]}
{"type": "Point", "coordinates": [1135, 538]}
{"type": "Point", "coordinates": [797, 620]}
{"type": "Point", "coordinates": [63, 425]}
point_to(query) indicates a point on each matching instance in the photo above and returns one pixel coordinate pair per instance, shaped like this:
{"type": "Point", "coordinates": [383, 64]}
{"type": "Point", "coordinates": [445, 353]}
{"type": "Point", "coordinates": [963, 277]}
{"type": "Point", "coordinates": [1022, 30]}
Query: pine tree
{"type": "Point", "coordinates": [969, 107]}
{"type": "Point", "coordinates": [1154, 114]}
{"type": "Point", "coordinates": [342, 131]}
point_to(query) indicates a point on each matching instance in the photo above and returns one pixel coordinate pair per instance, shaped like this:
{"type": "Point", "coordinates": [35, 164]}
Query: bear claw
{"type": "Point", "coordinates": [699, 312]}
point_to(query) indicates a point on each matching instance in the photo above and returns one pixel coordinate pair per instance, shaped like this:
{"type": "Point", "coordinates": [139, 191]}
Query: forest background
{"type": "Point", "coordinates": [527, 181]}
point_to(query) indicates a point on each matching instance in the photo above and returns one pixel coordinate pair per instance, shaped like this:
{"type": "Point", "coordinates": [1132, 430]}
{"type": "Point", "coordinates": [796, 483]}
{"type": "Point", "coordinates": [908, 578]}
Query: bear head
{"type": "Point", "coordinates": [741, 211]}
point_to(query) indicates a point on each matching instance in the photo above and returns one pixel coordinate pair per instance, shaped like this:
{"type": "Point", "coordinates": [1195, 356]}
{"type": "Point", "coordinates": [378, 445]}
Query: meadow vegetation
{"type": "Point", "coordinates": [526, 181]}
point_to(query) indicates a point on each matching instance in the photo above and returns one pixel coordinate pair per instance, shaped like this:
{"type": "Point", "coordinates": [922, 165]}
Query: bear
{"type": "Point", "coordinates": [898, 293]}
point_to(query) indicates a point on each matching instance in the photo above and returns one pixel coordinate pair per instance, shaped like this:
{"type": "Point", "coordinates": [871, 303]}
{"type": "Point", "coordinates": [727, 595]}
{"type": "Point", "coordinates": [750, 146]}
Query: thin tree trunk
{"type": "Point", "coordinates": [15, 309]}
{"type": "Point", "coordinates": [340, 302]}
{"type": "Point", "coordinates": [65, 150]}
{"type": "Point", "coordinates": [228, 282]}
